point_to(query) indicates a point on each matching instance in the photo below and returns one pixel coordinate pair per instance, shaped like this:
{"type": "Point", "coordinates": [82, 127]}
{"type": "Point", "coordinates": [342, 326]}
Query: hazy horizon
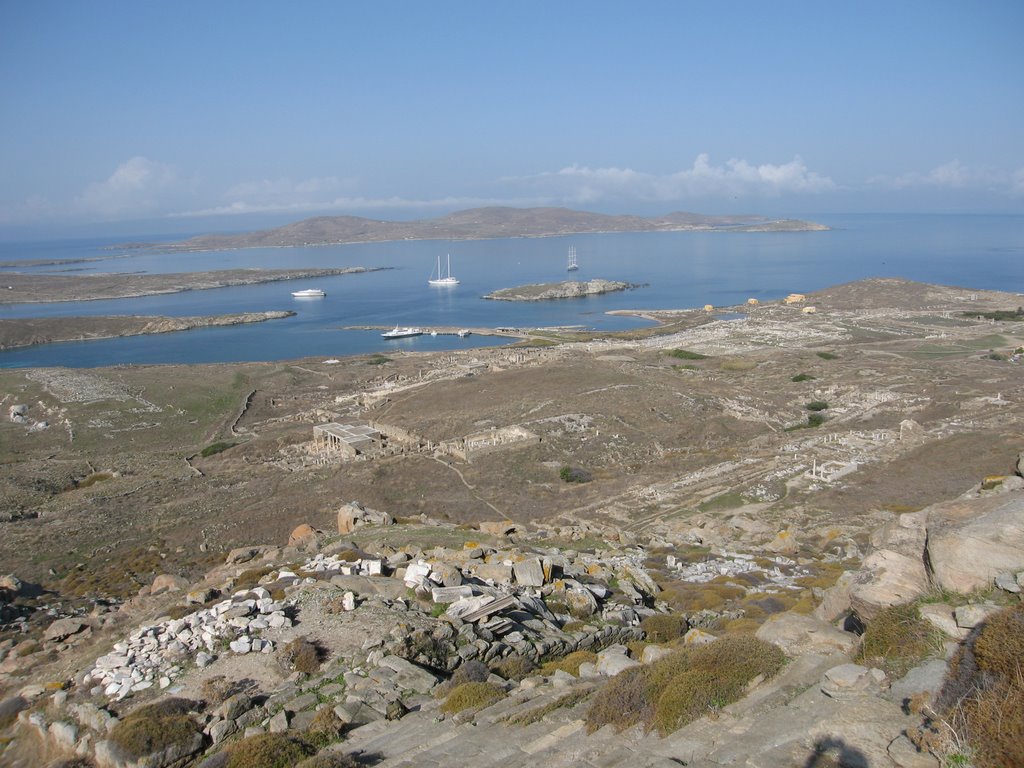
{"type": "Point", "coordinates": [124, 117]}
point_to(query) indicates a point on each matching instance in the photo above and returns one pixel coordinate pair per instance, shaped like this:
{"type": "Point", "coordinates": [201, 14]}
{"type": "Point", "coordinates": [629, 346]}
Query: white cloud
{"type": "Point", "coordinates": [736, 178]}
{"type": "Point", "coordinates": [138, 186]}
{"type": "Point", "coordinates": [957, 176]}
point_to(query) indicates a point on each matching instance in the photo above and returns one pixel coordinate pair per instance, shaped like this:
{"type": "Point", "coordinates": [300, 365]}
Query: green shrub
{"type": "Point", "coordinates": [575, 475]}
{"type": "Point", "coordinates": [802, 377]}
{"type": "Point", "coordinates": [898, 639]}
{"type": "Point", "coordinates": [685, 354]}
{"type": "Point", "coordinates": [827, 355]}
{"type": "Point", "coordinates": [622, 702]}
{"type": "Point", "coordinates": [664, 627]}
{"type": "Point", "coordinates": [377, 359]}
{"type": "Point", "coordinates": [816, 405]}
{"type": "Point", "coordinates": [471, 672]}
{"type": "Point", "coordinates": [684, 685]}
{"type": "Point", "coordinates": [215, 448]}
{"type": "Point", "coordinates": [570, 663]}
{"type": "Point", "coordinates": [268, 750]}
{"type": "Point", "coordinates": [154, 728]}
{"type": "Point", "coordinates": [513, 667]}
{"type": "Point", "coordinates": [472, 696]}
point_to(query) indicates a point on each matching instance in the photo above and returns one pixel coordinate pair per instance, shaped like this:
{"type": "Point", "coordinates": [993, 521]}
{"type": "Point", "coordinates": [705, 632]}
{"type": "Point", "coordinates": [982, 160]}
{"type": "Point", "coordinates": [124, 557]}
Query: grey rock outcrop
{"type": "Point", "coordinates": [886, 578]}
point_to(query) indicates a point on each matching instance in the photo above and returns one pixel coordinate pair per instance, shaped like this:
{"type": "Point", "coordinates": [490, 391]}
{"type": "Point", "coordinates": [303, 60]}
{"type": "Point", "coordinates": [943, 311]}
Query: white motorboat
{"type": "Point", "coordinates": [309, 293]}
{"type": "Point", "coordinates": [401, 333]}
{"type": "Point", "coordinates": [443, 279]}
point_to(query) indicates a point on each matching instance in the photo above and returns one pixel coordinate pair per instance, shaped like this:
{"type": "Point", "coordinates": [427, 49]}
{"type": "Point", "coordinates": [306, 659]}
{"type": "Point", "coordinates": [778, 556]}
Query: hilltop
{"type": "Point", "coordinates": [483, 224]}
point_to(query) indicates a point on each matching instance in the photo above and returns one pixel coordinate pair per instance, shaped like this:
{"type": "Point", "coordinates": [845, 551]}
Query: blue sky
{"type": "Point", "coordinates": [222, 115]}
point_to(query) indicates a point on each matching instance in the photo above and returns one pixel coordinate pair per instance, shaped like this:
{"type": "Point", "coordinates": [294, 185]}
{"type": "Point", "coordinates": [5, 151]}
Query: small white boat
{"type": "Point", "coordinates": [401, 333]}
{"type": "Point", "coordinates": [463, 333]}
{"type": "Point", "coordinates": [309, 293]}
{"type": "Point", "coordinates": [443, 280]}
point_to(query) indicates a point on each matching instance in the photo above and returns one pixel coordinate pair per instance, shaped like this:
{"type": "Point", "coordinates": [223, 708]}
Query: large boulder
{"type": "Point", "coordinates": [886, 578]}
{"type": "Point", "coordinates": [971, 541]}
{"type": "Point", "coordinates": [906, 534]}
{"type": "Point", "coordinates": [354, 515]}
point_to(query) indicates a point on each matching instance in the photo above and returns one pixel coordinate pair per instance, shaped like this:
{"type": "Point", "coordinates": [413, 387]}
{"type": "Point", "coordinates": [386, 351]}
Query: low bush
{"type": "Point", "coordinates": [897, 638]}
{"type": "Point", "coordinates": [663, 627]}
{"type": "Point", "coordinates": [569, 663]}
{"type": "Point", "coordinates": [326, 728]}
{"type": "Point", "coordinates": [816, 405]}
{"type": "Point", "coordinates": [979, 712]}
{"type": "Point", "coordinates": [471, 672]}
{"type": "Point", "coordinates": [684, 685]}
{"type": "Point", "coordinates": [268, 750]}
{"type": "Point", "coordinates": [154, 728]}
{"type": "Point", "coordinates": [472, 696]}
{"type": "Point", "coordinates": [215, 448]}
{"type": "Point", "coordinates": [575, 475]}
{"type": "Point", "coordinates": [827, 355]}
{"type": "Point", "coordinates": [301, 655]}
{"type": "Point", "coordinates": [513, 667]}
{"type": "Point", "coordinates": [802, 377]}
{"type": "Point", "coordinates": [685, 354]}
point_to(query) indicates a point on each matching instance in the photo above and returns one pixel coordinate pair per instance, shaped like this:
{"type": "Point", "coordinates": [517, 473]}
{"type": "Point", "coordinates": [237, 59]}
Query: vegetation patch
{"type": "Point", "coordinates": [268, 750]}
{"type": "Point", "coordinates": [301, 655]}
{"type": "Point", "coordinates": [470, 672]}
{"type": "Point", "coordinates": [215, 448]}
{"type": "Point", "coordinates": [513, 667]}
{"type": "Point", "coordinates": [827, 355]}
{"type": "Point", "coordinates": [803, 377]}
{"type": "Point", "coordinates": [574, 475]}
{"type": "Point", "coordinates": [95, 477]}
{"type": "Point", "coordinates": [1001, 315]}
{"type": "Point", "coordinates": [664, 627]}
{"type": "Point", "coordinates": [683, 686]}
{"type": "Point", "coordinates": [685, 354]}
{"type": "Point", "coordinates": [472, 696]}
{"type": "Point", "coordinates": [813, 420]}
{"type": "Point", "coordinates": [817, 405]}
{"type": "Point", "coordinates": [978, 716]}
{"type": "Point", "coordinates": [377, 359]}
{"type": "Point", "coordinates": [898, 639]}
{"type": "Point", "coordinates": [154, 728]}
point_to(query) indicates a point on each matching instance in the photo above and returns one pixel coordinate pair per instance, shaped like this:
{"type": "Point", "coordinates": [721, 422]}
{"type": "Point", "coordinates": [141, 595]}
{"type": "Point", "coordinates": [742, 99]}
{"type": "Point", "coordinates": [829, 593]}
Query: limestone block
{"type": "Point", "coordinates": [940, 616]}
{"type": "Point", "coordinates": [529, 572]}
{"type": "Point", "coordinates": [886, 578]}
{"type": "Point", "coordinates": [835, 601]}
{"type": "Point", "coordinates": [64, 628]}
{"type": "Point", "coordinates": [970, 616]}
{"type": "Point", "coordinates": [797, 634]}
{"type": "Point", "coordinates": [971, 541]}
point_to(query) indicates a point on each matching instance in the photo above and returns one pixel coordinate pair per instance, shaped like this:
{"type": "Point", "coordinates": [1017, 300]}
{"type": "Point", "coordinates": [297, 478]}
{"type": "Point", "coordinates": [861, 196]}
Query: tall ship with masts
{"type": "Point", "coordinates": [443, 279]}
{"type": "Point", "coordinates": [573, 266]}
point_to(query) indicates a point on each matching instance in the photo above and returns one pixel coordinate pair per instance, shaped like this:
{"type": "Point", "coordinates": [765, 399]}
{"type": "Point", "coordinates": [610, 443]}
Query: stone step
{"type": "Point", "coordinates": [543, 699]}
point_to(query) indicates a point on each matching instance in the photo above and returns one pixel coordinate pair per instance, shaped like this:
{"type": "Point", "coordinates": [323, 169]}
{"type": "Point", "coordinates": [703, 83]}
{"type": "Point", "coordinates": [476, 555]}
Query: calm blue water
{"type": "Point", "coordinates": [684, 269]}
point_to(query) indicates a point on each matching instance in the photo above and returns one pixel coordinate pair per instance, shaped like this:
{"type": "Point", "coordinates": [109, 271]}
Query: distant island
{"type": "Point", "coordinates": [479, 224]}
{"type": "Point", "coordinates": [570, 289]}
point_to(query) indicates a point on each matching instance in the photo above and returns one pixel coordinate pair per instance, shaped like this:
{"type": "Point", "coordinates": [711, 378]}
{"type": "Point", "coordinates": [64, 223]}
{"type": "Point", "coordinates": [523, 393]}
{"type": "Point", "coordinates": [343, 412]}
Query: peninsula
{"type": "Point", "coordinates": [479, 224]}
{"type": "Point", "coordinates": [27, 332]}
{"type": "Point", "coordinates": [570, 289]}
{"type": "Point", "coordinates": [24, 288]}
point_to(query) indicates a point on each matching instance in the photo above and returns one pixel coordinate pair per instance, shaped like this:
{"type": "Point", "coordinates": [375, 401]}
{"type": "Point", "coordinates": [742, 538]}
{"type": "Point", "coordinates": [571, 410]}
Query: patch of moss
{"type": "Point", "coordinates": [214, 448]}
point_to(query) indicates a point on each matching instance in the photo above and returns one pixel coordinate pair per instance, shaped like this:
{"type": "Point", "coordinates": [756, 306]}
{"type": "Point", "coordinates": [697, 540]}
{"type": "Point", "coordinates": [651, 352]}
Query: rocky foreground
{"type": "Point", "coordinates": [519, 653]}
{"type": "Point", "coordinates": [570, 289]}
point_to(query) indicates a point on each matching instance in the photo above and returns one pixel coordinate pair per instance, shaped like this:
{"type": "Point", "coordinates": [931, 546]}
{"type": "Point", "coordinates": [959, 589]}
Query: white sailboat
{"type": "Point", "coordinates": [445, 279]}
{"type": "Point", "coordinates": [573, 266]}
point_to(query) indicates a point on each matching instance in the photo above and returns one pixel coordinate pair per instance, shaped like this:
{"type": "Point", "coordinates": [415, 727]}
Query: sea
{"type": "Point", "coordinates": [674, 270]}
